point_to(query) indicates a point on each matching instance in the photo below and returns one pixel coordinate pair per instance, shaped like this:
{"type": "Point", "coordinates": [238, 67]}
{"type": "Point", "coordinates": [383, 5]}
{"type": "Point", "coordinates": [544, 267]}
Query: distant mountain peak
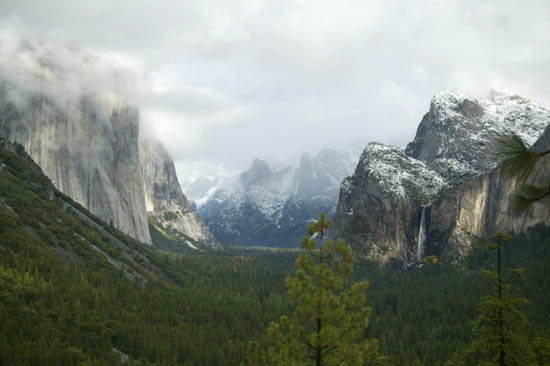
{"type": "Point", "coordinates": [271, 204]}
{"type": "Point", "coordinates": [259, 170]}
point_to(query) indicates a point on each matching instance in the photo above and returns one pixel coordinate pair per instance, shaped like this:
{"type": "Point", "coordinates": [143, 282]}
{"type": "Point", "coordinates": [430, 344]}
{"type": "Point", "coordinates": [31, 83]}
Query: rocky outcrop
{"type": "Point", "coordinates": [456, 137]}
{"type": "Point", "coordinates": [481, 206]}
{"type": "Point", "coordinates": [165, 201]}
{"type": "Point", "coordinates": [71, 111]}
{"type": "Point", "coordinates": [89, 148]}
{"type": "Point", "coordinates": [272, 206]}
{"type": "Point", "coordinates": [446, 175]}
{"type": "Point", "coordinates": [379, 204]}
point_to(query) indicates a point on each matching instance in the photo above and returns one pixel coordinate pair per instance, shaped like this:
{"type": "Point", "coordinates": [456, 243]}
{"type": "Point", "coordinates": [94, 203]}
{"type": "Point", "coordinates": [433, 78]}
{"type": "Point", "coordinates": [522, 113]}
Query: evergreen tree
{"type": "Point", "coordinates": [329, 322]}
{"type": "Point", "coordinates": [497, 328]}
{"type": "Point", "coordinates": [516, 159]}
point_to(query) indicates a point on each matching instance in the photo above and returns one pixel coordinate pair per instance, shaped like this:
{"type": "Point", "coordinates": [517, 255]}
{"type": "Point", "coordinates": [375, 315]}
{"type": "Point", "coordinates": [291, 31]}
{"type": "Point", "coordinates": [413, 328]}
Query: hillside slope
{"type": "Point", "coordinates": [75, 290]}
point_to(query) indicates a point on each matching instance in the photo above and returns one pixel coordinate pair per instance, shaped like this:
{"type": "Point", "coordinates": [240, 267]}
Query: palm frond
{"type": "Point", "coordinates": [515, 157]}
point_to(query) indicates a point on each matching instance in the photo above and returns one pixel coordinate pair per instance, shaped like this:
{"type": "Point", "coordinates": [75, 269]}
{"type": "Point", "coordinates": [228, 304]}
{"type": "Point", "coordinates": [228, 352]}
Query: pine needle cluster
{"type": "Point", "coordinates": [517, 160]}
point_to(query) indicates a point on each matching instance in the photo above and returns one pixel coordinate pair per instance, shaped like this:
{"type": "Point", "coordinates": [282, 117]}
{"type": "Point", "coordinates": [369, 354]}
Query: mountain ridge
{"type": "Point", "coordinates": [271, 206]}
{"type": "Point", "coordinates": [454, 142]}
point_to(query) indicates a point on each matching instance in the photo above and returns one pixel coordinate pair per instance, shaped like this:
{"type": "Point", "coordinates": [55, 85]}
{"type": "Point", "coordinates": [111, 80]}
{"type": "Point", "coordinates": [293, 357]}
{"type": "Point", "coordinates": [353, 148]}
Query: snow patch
{"type": "Point", "coordinates": [396, 172]}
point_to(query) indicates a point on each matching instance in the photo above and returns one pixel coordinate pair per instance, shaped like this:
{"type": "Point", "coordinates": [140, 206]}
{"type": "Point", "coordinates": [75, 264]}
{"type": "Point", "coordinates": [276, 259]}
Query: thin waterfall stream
{"type": "Point", "coordinates": [421, 236]}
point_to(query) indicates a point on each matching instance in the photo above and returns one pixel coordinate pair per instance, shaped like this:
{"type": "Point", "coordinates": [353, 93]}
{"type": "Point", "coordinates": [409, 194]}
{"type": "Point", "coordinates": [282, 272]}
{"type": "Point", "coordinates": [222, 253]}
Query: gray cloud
{"type": "Point", "coordinates": [64, 73]}
{"type": "Point", "coordinates": [230, 80]}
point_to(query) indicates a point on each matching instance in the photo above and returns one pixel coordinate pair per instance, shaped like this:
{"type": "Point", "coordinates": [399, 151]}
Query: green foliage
{"type": "Point", "coordinates": [328, 324]}
{"type": "Point", "coordinates": [516, 159]}
{"type": "Point", "coordinates": [74, 290]}
{"type": "Point", "coordinates": [169, 216]}
{"type": "Point", "coordinates": [454, 177]}
{"type": "Point", "coordinates": [170, 239]}
{"type": "Point", "coordinates": [497, 328]}
{"type": "Point", "coordinates": [515, 156]}
{"type": "Point", "coordinates": [541, 349]}
{"type": "Point", "coordinates": [431, 259]}
{"type": "Point", "coordinates": [526, 194]}
{"type": "Point", "coordinates": [62, 301]}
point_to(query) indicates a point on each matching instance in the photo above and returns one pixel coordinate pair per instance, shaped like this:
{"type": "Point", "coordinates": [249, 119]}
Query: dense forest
{"type": "Point", "coordinates": [77, 291]}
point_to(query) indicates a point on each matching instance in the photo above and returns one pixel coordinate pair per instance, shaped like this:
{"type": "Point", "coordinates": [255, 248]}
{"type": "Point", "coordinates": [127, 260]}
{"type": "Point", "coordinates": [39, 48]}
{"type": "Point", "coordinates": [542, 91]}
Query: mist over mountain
{"type": "Point", "coordinates": [164, 164]}
{"type": "Point", "coordinates": [271, 204]}
{"type": "Point", "coordinates": [73, 112]}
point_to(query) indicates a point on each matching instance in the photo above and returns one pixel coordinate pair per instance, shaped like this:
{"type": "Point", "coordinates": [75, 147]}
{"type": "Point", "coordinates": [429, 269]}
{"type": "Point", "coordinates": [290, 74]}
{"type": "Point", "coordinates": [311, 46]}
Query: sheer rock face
{"type": "Point", "coordinates": [481, 206]}
{"type": "Point", "coordinates": [449, 167]}
{"type": "Point", "coordinates": [381, 203]}
{"type": "Point", "coordinates": [88, 146]}
{"type": "Point", "coordinates": [543, 143]}
{"type": "Point", "coordinates": [164, 198]}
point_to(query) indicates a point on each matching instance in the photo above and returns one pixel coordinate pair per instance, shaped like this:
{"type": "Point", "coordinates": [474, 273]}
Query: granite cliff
{"type": "Point", "coordinates": [442, 191]}
{"type": "Point", "coordinates": [167, 206]}
{"type": "Point", "coordinates": [481, 206]}
{"type": "Point", "coordinates": [72, 111]}
{"type": "Point", "coordinates": [89, 149]}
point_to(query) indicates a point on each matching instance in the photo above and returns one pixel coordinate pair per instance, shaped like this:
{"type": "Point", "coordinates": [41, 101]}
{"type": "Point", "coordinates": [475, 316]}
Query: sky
{"type": "Point", "coordinates": [225, 81]}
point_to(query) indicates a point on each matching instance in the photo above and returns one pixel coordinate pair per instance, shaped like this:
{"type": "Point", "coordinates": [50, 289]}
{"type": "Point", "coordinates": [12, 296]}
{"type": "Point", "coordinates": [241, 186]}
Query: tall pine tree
{"type": "Point", "coordinates": [497, 328]}
{"type": "Point", "coordinates": [328, 325]}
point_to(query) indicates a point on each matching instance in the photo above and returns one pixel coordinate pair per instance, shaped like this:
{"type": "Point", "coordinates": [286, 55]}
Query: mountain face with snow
{"type": "Point", "coordinates": [380, 200]}
{"type": "Point", "coordinates": [456, 137]}
{"type": "Point", "coordinates": [443, 189]}
{"type": "Point", "coordinates": [271, 206]}
{"type": "Point", "coordinates": [167, 206]}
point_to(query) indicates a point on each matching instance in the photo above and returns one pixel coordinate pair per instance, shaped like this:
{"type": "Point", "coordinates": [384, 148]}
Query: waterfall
{"type": "Point", "coordinates": [421, 236]}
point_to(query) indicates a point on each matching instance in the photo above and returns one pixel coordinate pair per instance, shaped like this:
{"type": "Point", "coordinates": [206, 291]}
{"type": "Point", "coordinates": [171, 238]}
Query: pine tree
{"type": "Point", "coordinates": [329, 322]}
{"type": "Point", "coordinates": [498, 340]}
{"type": "Point", "coordinates": [518, 160]}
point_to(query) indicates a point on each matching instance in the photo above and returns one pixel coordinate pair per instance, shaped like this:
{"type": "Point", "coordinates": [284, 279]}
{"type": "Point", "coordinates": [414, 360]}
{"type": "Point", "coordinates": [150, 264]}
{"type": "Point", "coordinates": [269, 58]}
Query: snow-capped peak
{"type": "Point", "coordinates": [456, 137]}
{"type": "Point", "coordinates": [398, 174]}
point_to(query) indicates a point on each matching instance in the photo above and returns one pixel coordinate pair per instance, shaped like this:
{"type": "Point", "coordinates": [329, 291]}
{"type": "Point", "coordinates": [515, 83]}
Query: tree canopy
{"type": "Point", "coordinates": [329, 322]}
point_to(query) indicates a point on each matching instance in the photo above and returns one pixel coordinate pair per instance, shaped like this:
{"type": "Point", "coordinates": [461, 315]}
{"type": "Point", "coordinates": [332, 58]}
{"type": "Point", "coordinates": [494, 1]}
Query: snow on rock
{"type": "Point", "coordinates": [271, 204]}
{"type": "Point", "coordinates": [398, 201]}
{"type": "Point", "coordinates": [398, 174]}
{"type": "Point", "coordinates": [456, 137]}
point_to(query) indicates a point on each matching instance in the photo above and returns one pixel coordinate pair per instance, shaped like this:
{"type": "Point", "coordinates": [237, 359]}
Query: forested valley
{"type": "Point", "coordinates": [74, 290]}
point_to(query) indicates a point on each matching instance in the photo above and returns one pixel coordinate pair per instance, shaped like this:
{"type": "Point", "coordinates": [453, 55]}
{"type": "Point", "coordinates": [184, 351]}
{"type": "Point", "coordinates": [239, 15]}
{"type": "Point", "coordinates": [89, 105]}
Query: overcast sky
{"type": "Point", "coordinates": [229, 80]}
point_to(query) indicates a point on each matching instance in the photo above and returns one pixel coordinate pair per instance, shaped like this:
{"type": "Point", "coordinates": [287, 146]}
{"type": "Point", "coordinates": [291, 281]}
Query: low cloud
{"type": "Point", "coordinates": [65, 73]}
{"type": "Point", "coordinates": [229, 81]}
